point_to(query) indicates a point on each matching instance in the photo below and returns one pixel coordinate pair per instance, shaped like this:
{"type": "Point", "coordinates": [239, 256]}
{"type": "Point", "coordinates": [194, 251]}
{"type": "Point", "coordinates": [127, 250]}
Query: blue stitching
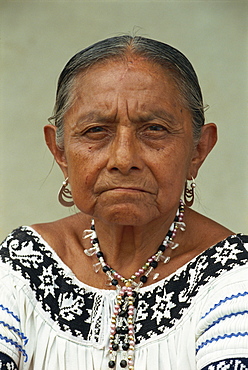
{"type": "Point", "coordinates": [208, 341]}
{"type": "Point", "coordinates": [226, 317]}
{"type": "Point", "coordinates": [10, 312]}
{"type": "Point", "coordinates": [223, 301]}
{"type": "Point", "coordinates": [21, 335]}
{"type": "Point", "coordinates": [18, 346]}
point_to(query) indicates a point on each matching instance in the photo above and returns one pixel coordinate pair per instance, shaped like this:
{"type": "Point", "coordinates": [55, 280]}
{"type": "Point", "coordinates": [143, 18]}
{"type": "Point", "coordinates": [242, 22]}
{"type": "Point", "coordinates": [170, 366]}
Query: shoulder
{"type": "Point", "coordinates": [57, 233]}
{"type": "Point", "coordinates": [227, 255]}
{"type": "Point", "coordinates": [222, 329]}
{"type": "Point", "coordinates": [203, 232]}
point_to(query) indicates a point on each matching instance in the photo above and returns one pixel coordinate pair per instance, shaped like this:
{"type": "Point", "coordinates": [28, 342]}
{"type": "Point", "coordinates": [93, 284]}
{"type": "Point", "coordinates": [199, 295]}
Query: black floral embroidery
{"type": "Point", "coordinates": [74, 308]}
{"type": "Point", "coordinates": [229, 364]}
{"type": "Point", "coordinates": [67, 303]}
{"type": "Point", "coordinates": [159, 310]}
{"type": "Point", "coordinates": [6, 363]}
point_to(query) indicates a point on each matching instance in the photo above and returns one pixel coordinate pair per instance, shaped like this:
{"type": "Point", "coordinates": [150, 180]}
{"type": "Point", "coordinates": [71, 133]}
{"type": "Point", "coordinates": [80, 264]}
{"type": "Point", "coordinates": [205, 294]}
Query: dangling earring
{"type": "Point", "coordinates": [64, 195]}
{"type": "Point", "coordinates": [189, 194]}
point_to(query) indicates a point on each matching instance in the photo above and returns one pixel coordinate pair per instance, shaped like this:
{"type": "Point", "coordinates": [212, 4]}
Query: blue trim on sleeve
{"type": "Point", "coordinates": [225, 317]}
{"type": "Point", "coordinates": [216, 339]}
{"type": "Point", "coordinates": [17, 331]}
{"type": "Point", "coordinates": [18, 346]}
{"type": "Point", "coordinates": [10, 312]}
{"type": "Point", "coordinates": [223, 301]}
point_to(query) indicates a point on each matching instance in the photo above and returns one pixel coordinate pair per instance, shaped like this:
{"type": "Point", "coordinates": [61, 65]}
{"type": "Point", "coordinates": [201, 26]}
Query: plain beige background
{"type": "Point", "coordinates": [37, 39]}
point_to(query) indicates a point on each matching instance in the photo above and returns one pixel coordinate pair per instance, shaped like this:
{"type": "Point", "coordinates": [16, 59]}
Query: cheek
{"type": "Point", "coordinates": [84, 167]}
{"type": "Point", "coordinates": [171, 172]}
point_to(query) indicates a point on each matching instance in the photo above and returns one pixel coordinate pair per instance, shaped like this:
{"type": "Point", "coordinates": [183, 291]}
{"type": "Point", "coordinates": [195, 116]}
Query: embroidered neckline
{"type": "Point", "coordinates": [76, 302]}
{"type": "Point", "coordinates": [69, 273]}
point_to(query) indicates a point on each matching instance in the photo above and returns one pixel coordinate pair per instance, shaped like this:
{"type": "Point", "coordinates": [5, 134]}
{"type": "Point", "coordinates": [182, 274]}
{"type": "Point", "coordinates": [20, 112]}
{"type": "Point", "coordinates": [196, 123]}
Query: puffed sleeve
{"type": "Point", "coordinates": [222, 333]}
{"type": "Point", "coordinates": [12, 339]}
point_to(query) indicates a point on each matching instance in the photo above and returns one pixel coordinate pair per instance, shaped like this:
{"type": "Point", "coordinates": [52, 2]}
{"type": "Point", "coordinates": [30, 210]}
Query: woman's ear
{"type": "Point", "coordinates": [203, 148]}
{"type": "Point", "coordinates": [59, 154]}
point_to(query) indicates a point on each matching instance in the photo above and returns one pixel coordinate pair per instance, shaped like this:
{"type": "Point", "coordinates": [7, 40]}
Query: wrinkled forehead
{"type": "Point", "coordinates": [127, 64]}
{"type": "Point", "coordinates": [137, 89]}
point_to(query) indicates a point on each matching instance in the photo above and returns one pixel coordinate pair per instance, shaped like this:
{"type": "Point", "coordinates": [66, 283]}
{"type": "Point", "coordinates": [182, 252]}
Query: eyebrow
{"type": "Point", "coordinates": [99, 116]}
{"type": "Point", "coordinates": [159, 113]}
{"type": "Point", "coordinates": [96, 116]}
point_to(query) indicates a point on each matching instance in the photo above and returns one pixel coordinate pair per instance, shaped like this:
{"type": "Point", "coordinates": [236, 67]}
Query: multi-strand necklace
{"type": "Point", "coordinates": [122, 334]}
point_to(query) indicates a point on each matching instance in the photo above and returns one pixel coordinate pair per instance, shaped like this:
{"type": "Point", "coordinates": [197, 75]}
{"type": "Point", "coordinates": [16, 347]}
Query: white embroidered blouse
{"type": "Point", "coordinates": [196, 319]}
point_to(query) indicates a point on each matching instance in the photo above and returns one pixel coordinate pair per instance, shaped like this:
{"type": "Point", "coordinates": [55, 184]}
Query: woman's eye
{"type": "Point", "coordinates": [95, 129]}
{"type": "Point", "coordinates": [154, 131]}
{"type": "Point", "coordinates": [96, 133]}
{"type": "Point", "coordinates": [155, 128]}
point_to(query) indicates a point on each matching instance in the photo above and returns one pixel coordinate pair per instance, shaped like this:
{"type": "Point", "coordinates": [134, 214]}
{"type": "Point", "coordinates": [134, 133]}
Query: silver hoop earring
{"type": "Point", "coordinates": [189, 192]}
{"type": "Point", "coordinates": [64, 195]}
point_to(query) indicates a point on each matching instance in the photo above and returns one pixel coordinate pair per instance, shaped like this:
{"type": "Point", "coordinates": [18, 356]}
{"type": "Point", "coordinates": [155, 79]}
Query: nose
{"type": "Point", "coordinates": [124, 154]}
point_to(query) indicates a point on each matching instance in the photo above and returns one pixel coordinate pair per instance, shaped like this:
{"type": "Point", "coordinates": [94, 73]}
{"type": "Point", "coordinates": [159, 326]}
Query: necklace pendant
{"type": "Point", "coordinates": [155, 276]}
{"type": "Point", "coordinates": [172, 245]}
{"type": "Point", "coordinates": [165, 259]}
{"type": "Point", "coordinates": [181, 225]}
{"type": "Point", "coordinates": [97, 267]}
{"type": "Point", "coordinates": [90, 251]}
{"type": "Point", "coordinates": [89, 234]}
{"type": "Point", "coordinates": [109, 280]}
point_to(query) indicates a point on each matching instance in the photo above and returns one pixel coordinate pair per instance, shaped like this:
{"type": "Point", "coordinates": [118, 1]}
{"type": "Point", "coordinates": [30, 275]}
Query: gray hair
{"type": "Point", "coordinates": [117, 48]}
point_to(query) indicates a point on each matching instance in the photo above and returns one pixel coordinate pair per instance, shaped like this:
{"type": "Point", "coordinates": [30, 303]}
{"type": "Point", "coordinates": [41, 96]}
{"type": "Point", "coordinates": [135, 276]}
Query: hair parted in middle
{"type": "Point", "coordinates": [119, 48]}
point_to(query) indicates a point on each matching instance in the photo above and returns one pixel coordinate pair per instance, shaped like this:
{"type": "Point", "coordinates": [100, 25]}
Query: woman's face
{"type": "Point", "coordinates": [128, 144]}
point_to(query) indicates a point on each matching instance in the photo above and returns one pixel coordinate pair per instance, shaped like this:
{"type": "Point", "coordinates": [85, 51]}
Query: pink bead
{"type": "Point", "coordinates": [137, 274]}
{"type": "Point", "coordinates": [150, 259]}
{"type": "Point", "coordinates": [112, 331]}
{"type": "Point", "coordinates": [141, 271]}
{"type": "Point", "coordinates": [131, 327]}
{"type": "Point", "coordinates": [132, 342]}
{"type": "Point", "coordinates": [130, 363]}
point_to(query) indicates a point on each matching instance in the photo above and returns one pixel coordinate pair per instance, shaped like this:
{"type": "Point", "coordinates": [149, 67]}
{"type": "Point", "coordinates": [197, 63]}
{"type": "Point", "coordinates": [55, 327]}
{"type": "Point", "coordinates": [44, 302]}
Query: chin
{"type": "Point", "coordinates": [127, 216]}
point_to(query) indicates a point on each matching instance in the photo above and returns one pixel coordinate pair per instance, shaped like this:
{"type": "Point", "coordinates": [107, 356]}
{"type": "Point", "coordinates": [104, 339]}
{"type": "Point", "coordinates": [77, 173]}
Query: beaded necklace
{"type": "Point", "coordinates": [122, 334]}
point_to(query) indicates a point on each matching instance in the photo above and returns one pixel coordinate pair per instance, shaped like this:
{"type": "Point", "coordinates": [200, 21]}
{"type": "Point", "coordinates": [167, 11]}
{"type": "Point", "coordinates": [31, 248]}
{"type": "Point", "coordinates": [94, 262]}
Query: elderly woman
{"type": "Point", "coordinates": [135, 279]}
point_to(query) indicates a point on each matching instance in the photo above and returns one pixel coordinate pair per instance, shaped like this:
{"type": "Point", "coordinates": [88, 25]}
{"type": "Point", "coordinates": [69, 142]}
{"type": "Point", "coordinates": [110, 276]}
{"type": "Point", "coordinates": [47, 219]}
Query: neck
{"type": "Point", "coordinates": [127, 248]}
